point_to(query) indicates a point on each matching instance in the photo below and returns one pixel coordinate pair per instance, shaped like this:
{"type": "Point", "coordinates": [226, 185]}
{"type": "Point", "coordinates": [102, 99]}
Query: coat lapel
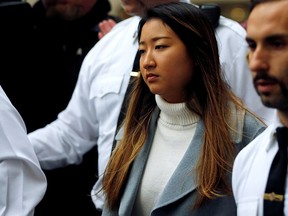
{"type": "Point", "coordinates": [183, 180]}
{"type": "Point", "coordinates": [137, 170]}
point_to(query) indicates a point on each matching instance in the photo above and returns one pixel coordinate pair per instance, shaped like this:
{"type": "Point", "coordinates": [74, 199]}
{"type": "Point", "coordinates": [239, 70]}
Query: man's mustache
{"type": "Point", "coordinates": [264, 76]}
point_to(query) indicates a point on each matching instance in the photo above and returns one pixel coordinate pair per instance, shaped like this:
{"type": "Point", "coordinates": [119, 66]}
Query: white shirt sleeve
{"type": "Point", "coordinates": [23, 184]}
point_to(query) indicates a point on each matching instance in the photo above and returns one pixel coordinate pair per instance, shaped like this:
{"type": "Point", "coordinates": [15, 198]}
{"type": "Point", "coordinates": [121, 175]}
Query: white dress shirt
{"type": "Point", "coordinates": [91, 116]}
{"type": "Point", "coordinates": [250, 173]}
{"type": "Point", "coordinates": [22, 182]}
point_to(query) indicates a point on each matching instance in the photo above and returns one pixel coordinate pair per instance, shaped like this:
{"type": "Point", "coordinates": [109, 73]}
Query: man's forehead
{"type": "Point", "coordinates": [271, 6]}
{"type": "Point", "coordinates": [270, 16]}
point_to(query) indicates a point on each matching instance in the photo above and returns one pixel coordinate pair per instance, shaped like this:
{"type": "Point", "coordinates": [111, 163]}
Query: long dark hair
{"type": "Point", "coordinates": [207, 94]}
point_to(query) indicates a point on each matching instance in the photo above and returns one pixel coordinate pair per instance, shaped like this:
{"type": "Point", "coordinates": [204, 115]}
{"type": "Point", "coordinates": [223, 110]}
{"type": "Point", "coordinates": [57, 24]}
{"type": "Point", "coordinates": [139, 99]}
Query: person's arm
{"type": "Point", "coordinates": [73, 133]}
{"type": "Point", "coordinates": [23, 184]}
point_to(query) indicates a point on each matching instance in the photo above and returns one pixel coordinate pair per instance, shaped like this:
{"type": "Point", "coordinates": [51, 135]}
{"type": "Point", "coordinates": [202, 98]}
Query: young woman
{"type": "Point", "coordinates": [183, 126]}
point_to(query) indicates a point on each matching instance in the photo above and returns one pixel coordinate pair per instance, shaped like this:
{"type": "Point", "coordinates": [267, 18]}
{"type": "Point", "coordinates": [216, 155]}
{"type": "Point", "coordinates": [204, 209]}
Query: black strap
{"type": "Point", "coordinates": [136, 68]}
{"type": "Point", "coordinates": [213, 13]}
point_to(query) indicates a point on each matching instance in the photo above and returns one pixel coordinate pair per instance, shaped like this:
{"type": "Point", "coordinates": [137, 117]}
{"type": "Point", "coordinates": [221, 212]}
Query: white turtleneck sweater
{"type": "Point", "coordinates": [175, 130]}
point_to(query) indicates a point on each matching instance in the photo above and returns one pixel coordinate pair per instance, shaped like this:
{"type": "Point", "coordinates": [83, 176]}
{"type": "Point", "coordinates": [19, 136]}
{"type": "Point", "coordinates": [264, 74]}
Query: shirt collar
{"type": "Point", "coordinates": [272, 135]}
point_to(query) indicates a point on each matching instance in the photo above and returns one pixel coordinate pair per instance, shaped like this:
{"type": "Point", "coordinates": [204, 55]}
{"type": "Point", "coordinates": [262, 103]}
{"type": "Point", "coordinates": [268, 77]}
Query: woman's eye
{"type": "Point", "coordinates": [141, 51]}
{"type": "Point", "coordinates": [160, 46]}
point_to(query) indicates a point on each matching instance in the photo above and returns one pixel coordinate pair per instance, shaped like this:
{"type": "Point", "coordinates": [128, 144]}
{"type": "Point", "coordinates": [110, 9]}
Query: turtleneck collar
{"type": "Point", "coordinates": [176, 113]}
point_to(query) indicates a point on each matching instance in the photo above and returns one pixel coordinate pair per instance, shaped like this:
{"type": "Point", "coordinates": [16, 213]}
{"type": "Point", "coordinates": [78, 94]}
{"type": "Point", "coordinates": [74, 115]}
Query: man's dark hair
{"type": "Point", "coordinates": [256, 2]}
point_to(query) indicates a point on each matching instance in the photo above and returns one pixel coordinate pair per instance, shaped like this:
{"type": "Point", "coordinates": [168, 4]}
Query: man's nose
{"type": "Point", "coordinates": [258, 59]}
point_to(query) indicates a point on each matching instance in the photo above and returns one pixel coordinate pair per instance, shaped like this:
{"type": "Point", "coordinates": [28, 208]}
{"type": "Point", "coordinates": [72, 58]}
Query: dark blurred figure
{"type": "Point", "coordinates": [252, 4]}
{"type": "Point", "coordinates": [42, 49]}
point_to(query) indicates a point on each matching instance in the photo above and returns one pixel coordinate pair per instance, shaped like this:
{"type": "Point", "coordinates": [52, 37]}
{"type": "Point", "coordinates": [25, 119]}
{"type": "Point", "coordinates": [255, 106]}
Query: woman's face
{"type": "Point", "coordinates": [165, 64]}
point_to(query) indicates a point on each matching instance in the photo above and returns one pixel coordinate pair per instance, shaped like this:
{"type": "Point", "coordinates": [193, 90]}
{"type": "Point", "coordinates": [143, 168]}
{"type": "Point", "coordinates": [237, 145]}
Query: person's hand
{"type": "Point", "coordinates": [105, 26]}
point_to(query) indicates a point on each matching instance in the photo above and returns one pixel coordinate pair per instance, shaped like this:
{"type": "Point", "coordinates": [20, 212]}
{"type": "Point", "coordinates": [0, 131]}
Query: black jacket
{"type": "Point", "coordinates": [40, 59]}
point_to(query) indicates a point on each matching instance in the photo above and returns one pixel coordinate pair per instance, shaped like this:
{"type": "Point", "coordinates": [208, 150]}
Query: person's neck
{"type": "Point", "coordinates": [283, 117]}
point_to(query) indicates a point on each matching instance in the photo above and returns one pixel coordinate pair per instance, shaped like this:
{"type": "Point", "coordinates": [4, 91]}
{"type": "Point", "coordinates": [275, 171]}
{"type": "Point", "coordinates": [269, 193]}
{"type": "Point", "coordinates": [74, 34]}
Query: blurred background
{"type": "Point", "coordinates": [235, 9]}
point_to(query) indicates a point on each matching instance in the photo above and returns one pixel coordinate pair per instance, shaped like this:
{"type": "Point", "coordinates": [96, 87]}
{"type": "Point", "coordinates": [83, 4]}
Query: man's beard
{"type": "Point", "coordinates": [64, 12]}
{"type": "Point", "coordinates": [278, 102]}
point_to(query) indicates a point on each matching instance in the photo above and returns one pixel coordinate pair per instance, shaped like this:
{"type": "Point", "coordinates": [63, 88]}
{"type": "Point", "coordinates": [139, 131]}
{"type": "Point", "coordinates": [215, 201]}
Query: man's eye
{"type": "Point", "coordinates": [252, 46]}
{"type": "Point", "coordinates": [277, 43]}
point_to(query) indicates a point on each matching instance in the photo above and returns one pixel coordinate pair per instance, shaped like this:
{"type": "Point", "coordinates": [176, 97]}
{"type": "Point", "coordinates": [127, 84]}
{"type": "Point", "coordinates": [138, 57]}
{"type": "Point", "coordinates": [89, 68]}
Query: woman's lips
{"type": "Point", "coordinates": [151, 77]}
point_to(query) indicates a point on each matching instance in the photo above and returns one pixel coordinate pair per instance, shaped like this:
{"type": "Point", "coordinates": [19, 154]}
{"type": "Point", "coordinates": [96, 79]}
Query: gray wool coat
{"type": "Point", "coordinates": [180, 192]}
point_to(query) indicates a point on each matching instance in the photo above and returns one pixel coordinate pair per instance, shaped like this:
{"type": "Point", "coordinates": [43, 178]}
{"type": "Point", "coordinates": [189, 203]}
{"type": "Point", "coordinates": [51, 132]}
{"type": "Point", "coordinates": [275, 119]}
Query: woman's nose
{"type": "Point", "coordinates": [147, 60]}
